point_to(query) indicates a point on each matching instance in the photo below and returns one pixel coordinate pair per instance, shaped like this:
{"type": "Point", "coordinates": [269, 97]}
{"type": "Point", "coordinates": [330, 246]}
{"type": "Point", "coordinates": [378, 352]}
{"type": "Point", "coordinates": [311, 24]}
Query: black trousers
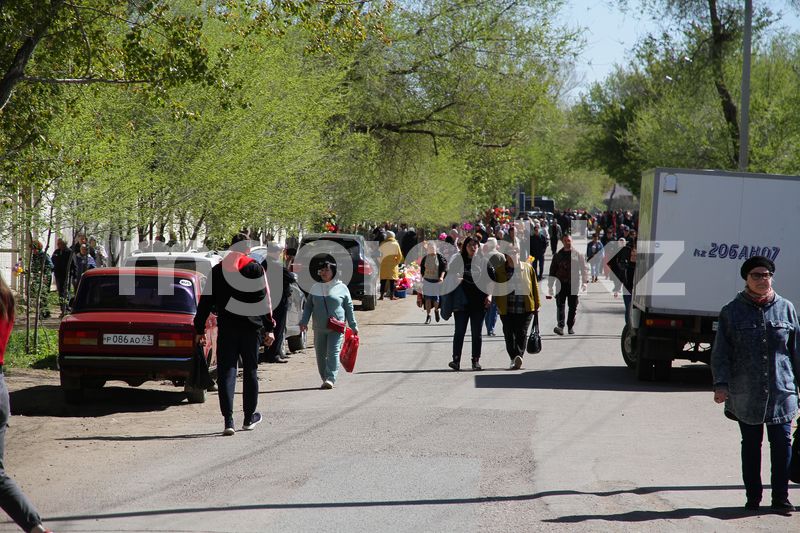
{"type": "Point", "coordinates": [232, 343]}
{"type": "Point", "coordinates": [563, 297]}
{"type": "Point", "coordinates": [473, 318]}
{"type": "Point", "coordinates": [515, 332]}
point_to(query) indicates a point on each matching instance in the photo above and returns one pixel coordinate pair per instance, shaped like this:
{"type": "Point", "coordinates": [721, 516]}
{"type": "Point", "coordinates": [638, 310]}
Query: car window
{"type": "Point", "coordinates": [349, 245]}
{"type": "Point", "coordinates": [97, 293]}
{"type": "Point", "coordinates": [204, 267]}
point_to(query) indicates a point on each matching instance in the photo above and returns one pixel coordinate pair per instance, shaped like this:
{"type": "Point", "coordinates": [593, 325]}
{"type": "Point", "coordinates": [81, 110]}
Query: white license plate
{"type": "Point", "coordinates": [125, 339]}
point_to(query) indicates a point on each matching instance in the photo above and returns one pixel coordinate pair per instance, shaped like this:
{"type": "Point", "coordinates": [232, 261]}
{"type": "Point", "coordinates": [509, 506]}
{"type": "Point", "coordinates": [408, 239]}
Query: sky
{"type": "Point", "coordinates": [610, 35]}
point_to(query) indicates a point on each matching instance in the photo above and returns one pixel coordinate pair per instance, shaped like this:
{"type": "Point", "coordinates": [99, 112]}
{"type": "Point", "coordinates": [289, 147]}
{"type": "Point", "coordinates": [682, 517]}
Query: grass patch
{"type": "Point", "coordinates": [44, 356]}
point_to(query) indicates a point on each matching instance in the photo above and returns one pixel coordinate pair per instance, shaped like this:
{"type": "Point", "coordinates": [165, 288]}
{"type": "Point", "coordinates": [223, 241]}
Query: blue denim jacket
{"type": "Point", "coordinates": [756, 354]}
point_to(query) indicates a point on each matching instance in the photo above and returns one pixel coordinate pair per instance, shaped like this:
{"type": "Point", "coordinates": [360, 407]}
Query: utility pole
{"type": "Point", "coordinates": [744, 129]}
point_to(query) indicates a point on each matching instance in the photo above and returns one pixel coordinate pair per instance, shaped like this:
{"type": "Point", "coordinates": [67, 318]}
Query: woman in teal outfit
{"type": "Point", "coordinates": [328, 297]}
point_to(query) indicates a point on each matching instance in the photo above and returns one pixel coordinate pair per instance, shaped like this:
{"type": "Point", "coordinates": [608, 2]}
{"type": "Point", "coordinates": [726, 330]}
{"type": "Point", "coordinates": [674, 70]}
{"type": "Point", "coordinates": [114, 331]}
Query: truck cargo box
{"type": "Point", "coordinates": [696, 228]}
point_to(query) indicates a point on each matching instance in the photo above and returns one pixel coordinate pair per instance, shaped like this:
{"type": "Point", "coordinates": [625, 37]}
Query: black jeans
{"type": "Point", "coordinates": [515, 332]}
{"type": "Point", "coordinates": [273, 352]}
{"type": "Point", "coordinates": [538, 265]}
{"type": "Point", "coordinates": [780, 451]}
{"type": "Point", "coordinates": [232, 343]}
{"type": "Point", "coordinates": [565, 296]}
{"type": "Point", "coordinates": [475, 319]}
{"type": "Point", "coordinates": [12, 500]}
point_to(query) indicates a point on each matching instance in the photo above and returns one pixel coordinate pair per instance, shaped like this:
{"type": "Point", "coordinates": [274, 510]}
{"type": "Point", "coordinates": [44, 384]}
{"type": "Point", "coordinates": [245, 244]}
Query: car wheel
{"type": "Point", "coordinates": [368, 302]}
{"type": "Point", "coordinates": [194, 395]}
{"type": "Point", "coordinates": [297, 342]}
{"type": "Point", "coordinates": [73, 391]}
{"type": "Point", "coordinates": [628, 344]}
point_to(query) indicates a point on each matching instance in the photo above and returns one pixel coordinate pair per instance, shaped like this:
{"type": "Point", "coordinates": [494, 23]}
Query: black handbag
{"type": "Point", "coordinates": [534, 339]}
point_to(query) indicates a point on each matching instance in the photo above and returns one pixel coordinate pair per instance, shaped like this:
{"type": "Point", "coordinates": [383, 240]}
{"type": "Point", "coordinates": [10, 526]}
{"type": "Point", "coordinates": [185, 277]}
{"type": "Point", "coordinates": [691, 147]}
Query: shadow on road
{"type": "Point", "coordinates": [48, 400]}
{"type": "Point", "coordinates": [284, 390]}
{"type": "Point", "coordinates": [721, 513]}
{"type": "Point", "coordinates": [408, 371]}
{"type": "Point", "coordinates": [610, 378]}
{"type": "Point", "coordinates": [142, 438]}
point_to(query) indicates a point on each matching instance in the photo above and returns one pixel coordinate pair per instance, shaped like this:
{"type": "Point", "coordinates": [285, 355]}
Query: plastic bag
{"type": "Point", "coordinates": [349, 350]}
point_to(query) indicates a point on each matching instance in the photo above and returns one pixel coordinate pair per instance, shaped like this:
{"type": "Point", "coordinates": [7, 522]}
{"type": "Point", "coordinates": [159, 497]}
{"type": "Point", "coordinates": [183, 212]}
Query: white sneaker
{"type": "Point", "coordinates": [517, 364]}
{"type": "Point", "coordinates": [229, 432]}
{"type": "Point", "coordinates": [326, 385]}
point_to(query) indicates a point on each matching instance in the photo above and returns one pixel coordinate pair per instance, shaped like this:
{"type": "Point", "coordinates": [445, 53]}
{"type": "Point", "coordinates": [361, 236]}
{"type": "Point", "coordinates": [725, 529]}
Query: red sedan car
{"type": "Point", "coordinates": [134, 325]}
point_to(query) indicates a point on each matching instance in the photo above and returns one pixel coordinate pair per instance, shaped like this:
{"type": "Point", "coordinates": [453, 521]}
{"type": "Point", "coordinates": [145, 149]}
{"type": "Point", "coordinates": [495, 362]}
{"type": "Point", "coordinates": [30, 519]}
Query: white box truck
{"type": "Point", "coordinates": [696, 227]}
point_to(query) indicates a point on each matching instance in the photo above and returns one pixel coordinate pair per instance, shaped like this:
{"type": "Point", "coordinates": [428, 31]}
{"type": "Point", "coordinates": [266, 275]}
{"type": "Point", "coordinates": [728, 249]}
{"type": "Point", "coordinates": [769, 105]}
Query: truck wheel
{"type": "Point", "coordinates": [628, 344]}
{"type": "Point", "coordinates": [297, 342]}
{"type": "Point", "coordinates": [368, 302]}
{"type": "Point", "coordinates": [194, 395]}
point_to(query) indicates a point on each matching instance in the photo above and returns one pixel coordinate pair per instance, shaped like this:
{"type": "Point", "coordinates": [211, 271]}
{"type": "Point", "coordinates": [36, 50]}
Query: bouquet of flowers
{"type": "Point", "coordinates": [18, 268]}
{"type": "Point", "coordinates": [328, 223]}
{"type": "Point", "coordinates": [403, 284]}
{"type": "Point", "coordinates": [414, 274]}
{"type": "Point", "coordinates": [502, 215]}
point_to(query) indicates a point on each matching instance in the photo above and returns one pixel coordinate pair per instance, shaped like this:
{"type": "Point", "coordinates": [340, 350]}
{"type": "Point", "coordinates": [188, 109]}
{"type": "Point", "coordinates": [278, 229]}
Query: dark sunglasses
{"type": "Point", "coordinates": [761, 275]}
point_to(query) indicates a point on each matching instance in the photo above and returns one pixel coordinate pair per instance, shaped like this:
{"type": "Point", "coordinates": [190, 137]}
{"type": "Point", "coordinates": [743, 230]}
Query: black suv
{"type": "Point", "coordinates": [353, 261]}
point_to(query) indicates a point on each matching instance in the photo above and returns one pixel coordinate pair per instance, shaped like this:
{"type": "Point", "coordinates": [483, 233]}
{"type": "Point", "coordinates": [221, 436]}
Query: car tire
{"type": "Point", "coordinates": [297, 343]}
{"type": "Point", "coordinates": [73, 390]}
{"type": "Point", "coordinates": [368, 302]}
{"type": "Point", "coordinates": [194, 395]}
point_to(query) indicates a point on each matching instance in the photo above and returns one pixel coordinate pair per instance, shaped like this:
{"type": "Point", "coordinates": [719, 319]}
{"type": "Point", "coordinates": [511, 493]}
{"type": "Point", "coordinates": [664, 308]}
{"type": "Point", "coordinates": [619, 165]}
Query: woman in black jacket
{"type": "Point", "coordinates": [469, 306]}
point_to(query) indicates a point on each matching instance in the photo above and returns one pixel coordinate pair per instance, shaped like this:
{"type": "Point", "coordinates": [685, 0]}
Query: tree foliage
{"type": "Point", "coordinates": [675, 104]}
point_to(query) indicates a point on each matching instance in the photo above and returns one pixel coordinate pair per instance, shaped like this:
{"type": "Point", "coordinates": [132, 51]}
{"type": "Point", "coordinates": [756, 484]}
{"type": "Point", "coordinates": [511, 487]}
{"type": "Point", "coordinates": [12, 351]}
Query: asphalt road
{"type": "Point", "coordinates": [571, 442]}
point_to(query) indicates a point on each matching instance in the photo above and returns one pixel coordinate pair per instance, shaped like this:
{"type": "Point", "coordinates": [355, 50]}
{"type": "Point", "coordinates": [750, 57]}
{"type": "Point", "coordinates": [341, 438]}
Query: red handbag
{"type": "Point", "coordinates": [334, 324]}
{"type": "Point", "coordinates": [349, 350]}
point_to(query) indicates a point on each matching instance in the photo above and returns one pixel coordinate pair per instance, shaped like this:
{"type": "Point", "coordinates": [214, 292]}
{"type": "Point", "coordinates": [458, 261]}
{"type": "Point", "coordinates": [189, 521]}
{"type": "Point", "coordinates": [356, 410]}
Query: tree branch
{"type": "Point", "coordinates": [82, 81]}
{"type": "Point", "coordinates": [16, 71]}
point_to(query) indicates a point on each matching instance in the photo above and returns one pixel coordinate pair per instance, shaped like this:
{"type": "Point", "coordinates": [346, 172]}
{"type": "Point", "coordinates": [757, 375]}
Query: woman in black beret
{"type": "Point", "coordinates": [755, 363]}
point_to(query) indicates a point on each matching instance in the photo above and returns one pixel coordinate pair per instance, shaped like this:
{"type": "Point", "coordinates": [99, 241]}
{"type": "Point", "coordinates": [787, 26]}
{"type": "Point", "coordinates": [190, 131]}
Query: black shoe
{"type": "Point", "coordinates": [428, 319]}
{"type": "Point", "coordinates": [784, 507]}
{"type": "Point", "coordinates": [751, 505]}
{"type": "Point", "coordinates": [436, 314]}
{"type": "Point", "coordinates": [454, 366]}
{"type": "Point", "coordinates": [475, 365]}
{"type": "Point", "coordinates": [278, 360]}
